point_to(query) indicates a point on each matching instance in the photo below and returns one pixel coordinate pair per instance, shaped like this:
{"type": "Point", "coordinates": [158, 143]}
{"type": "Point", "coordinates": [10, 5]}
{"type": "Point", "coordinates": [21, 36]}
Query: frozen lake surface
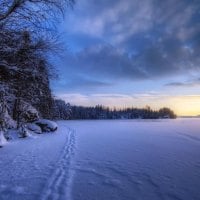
{"type": "Point", "coordinates": [105, 160]}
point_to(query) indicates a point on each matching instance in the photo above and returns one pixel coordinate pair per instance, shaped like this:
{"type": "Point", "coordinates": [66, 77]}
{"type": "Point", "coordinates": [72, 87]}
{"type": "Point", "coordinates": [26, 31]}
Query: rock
{"type": "Point", "coordinates": [47, 125]}
{"type": "Point", "coordinates": [23, 131]}
{"type": "Point", "coordinates": [34, 127]}
{"type": "Point", "coordinates": [28, 112]}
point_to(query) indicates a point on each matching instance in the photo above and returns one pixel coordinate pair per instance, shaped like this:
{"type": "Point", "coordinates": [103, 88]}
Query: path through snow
{"type": "Point", "coordinates": [38, 168]}
{"type": "Point", "coordinates": [59, 185]}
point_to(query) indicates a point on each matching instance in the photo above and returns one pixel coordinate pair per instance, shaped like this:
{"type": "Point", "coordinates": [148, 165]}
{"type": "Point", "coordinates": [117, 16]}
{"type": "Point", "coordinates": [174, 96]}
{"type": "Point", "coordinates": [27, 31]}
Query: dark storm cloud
{"type": "Point", "coordinates": [144, 39]}
{"type": "Point", "coordinates": [102, 63]}
{"type": "Point", "coordinates": [79, 82]}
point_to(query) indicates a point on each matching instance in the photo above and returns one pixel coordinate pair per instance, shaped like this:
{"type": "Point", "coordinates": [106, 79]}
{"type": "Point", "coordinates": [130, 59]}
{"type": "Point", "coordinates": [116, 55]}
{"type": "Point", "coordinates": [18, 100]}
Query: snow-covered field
{"type": "Point", "coordinates": [105, 160]}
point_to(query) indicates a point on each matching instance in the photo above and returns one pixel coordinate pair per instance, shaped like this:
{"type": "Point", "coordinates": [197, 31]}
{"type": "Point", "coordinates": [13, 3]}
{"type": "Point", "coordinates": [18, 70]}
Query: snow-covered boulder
{"type": "Point", "coordinates": [3, 141]}
{"type": "Point", "coordinates": [34, 127]}
{"type": "Point", "coordinates": [27, 112]}
{"type": "Point", "coordinates": [23, 131]}
{"type": "Point", "coordinates": [47, 125]}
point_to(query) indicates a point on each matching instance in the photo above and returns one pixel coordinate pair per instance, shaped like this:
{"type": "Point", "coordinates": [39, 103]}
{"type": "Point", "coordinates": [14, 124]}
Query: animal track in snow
{"type": "Point", "coordinates": [59, 184]}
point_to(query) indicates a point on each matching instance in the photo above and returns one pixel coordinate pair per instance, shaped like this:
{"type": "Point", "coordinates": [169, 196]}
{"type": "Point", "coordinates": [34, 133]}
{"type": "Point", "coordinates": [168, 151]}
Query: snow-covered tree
{"type": "Point", "coordinates": [24, 112]}
{"type": "Point", "coordinates": [61, 110]}
{"type": "Point", "coordinates": [5, 119]}
{"type": "Point", "coordinates": [3, 109]}
{"type": "Point", "coordinates": [24, 71]}
{"type": "Point", "coordinates": [24, 66]}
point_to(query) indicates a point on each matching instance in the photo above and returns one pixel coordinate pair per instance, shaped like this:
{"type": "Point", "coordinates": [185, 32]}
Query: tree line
{"type": "Point", "coordinates": [101, 112]}
{"type": "Point", "coordinates": [66, 111]}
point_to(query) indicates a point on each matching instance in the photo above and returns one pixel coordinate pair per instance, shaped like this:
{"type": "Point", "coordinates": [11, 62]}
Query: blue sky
{"type": "Point", "coordinates": [132, 53]}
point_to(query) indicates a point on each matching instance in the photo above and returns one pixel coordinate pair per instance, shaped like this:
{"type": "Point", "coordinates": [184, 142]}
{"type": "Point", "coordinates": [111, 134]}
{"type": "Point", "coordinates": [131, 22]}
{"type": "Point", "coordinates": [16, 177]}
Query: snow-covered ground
{"type": "Point", "coordinates": [105, 160]}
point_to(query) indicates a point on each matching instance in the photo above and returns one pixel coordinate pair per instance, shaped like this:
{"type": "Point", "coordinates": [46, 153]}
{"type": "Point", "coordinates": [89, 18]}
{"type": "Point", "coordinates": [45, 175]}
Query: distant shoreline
{"type": "Point", "coordinates": [188, 116]}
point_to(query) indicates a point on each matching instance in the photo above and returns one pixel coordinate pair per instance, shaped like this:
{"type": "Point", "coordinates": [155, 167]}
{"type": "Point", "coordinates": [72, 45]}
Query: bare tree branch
{"type": "Point", "coordinates": [31, 14]}
{"type": "Point", "coordinates": [12, 8]}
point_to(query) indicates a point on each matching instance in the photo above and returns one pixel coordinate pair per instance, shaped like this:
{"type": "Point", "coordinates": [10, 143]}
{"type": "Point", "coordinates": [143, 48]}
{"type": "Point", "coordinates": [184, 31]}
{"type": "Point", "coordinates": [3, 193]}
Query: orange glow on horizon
{"type": "Point", "coordinates": [186, 105]}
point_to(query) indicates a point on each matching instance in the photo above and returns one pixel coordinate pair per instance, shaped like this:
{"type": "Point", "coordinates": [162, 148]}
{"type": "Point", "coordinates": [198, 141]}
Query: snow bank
{"type": "Point", "coordinates": [3, 141]}
{"type": "Point", "coordinates": [46, 125]}
{"type": "Point", "coordinates": [26, 130]}
{"type": "Point", "coordinates": [28, 165]}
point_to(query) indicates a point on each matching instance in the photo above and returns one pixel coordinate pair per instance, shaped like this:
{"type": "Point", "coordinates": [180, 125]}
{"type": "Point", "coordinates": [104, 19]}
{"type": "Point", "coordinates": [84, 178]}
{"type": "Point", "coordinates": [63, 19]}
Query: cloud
{"type": "Point", "coordinates": [131, 40]}
{"type": "Point", "coordinates": [106, 63]}
{"type": "Point", "coordinates": [101, 65]}
{"type": "Point", "coordinates": [191, 83]}
{"type": "Point", "coordinates": [112, 99]}
{"type": "Point", "coordinates": [78, 83]}
{"type": "Point", "coordinates": [110, 18]}
{"type": "Point", "coordinates": [118, 20]}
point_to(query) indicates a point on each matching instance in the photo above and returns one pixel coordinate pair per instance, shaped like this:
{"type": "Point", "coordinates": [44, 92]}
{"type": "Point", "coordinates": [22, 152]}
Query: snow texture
{"type": "Point", "coordinates": [105, 160]}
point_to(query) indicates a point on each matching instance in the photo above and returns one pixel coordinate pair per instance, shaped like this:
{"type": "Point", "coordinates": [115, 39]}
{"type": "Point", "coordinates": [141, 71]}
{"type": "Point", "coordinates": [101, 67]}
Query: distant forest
{"type": "Point", "coordinates": [101, 112]}
{"type": "Point", "coordinates": [65, 111]}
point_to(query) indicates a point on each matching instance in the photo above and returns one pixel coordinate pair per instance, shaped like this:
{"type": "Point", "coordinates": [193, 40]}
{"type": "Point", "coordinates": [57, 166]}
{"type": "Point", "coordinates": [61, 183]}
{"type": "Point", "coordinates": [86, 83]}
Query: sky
{"type": "Point", "coordinates": [126, 53]}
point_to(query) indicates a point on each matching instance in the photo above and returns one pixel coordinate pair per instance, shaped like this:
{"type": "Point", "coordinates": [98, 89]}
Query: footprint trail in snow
{"type": "Point", "coordinates": [59, 184]}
